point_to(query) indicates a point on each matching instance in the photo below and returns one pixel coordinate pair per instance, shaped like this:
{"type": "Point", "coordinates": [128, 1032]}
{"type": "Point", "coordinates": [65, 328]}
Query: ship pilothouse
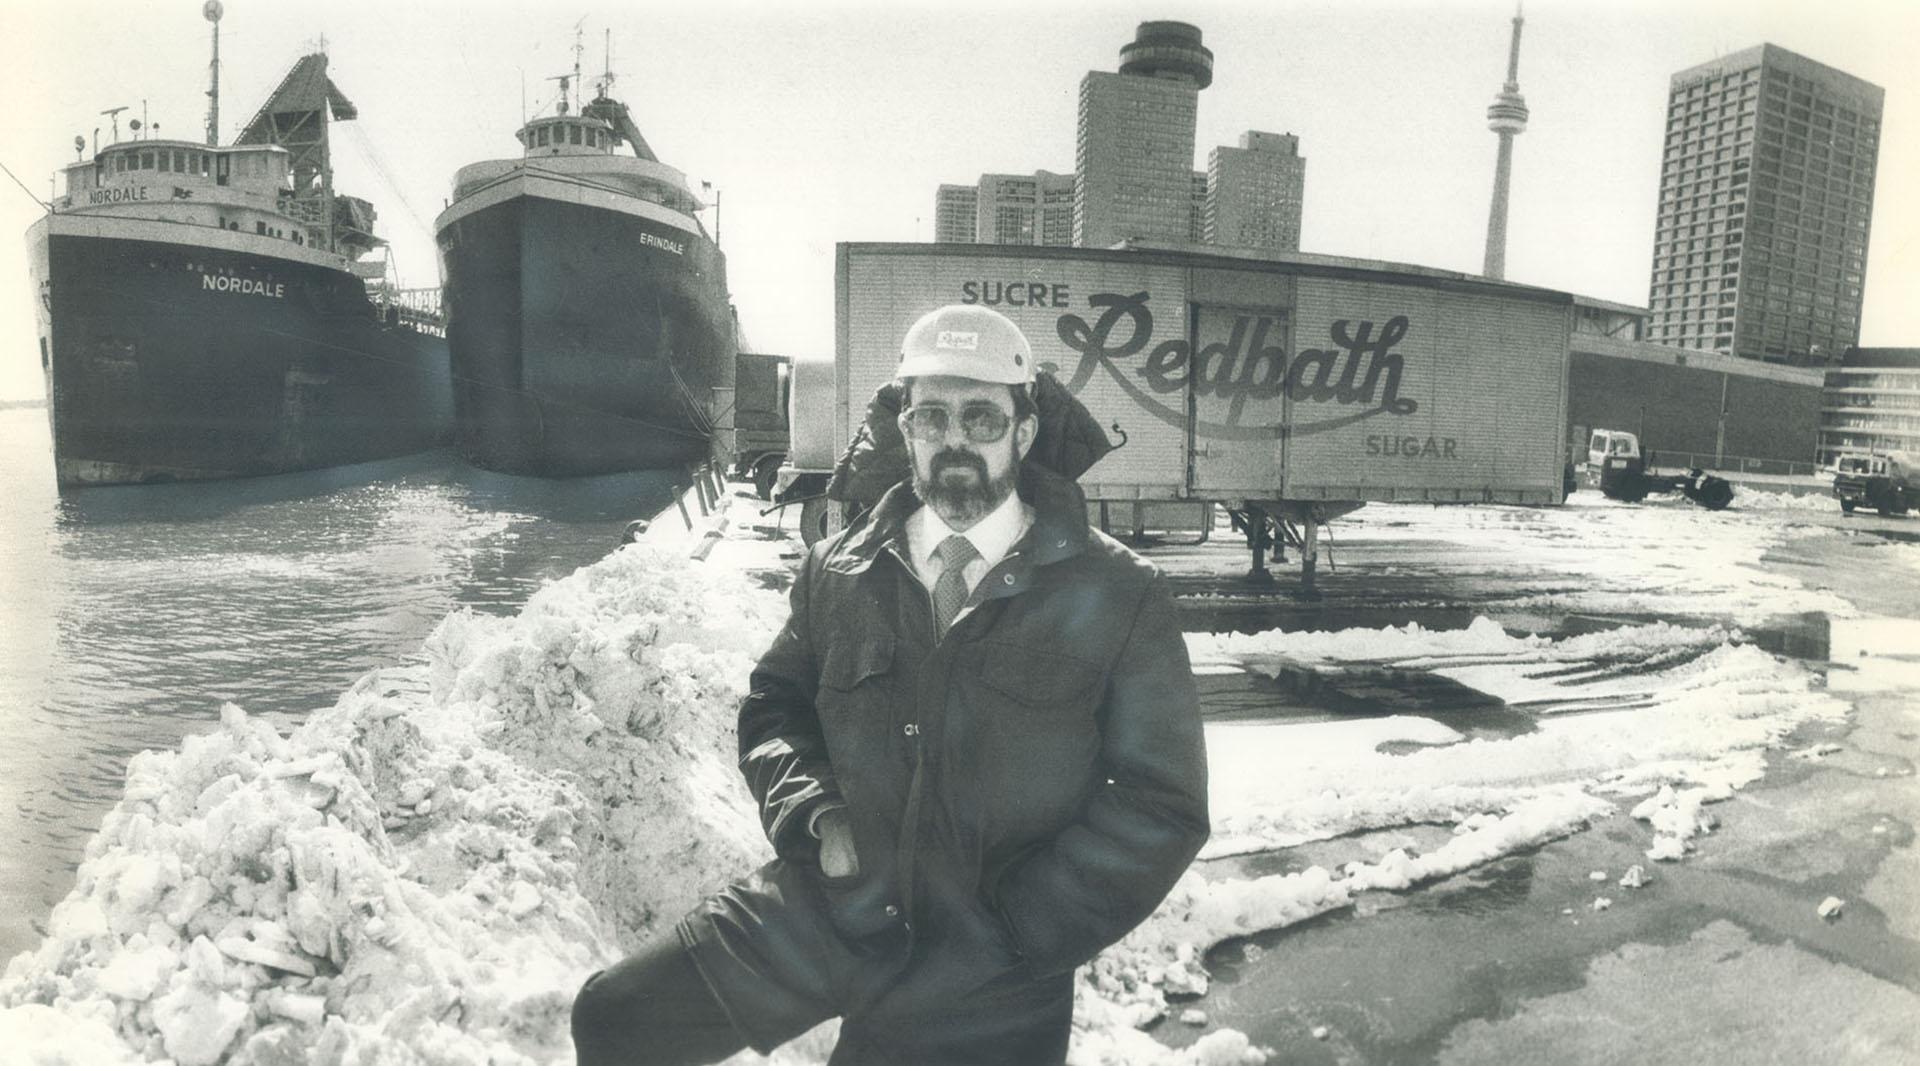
{"type": "Point", "coordinates": [583, 150]}
{"type": "Point", "coordinates": [190, 184]}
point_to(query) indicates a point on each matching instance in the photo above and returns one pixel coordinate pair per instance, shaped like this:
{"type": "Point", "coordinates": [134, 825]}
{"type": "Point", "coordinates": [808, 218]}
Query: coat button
{"type": "Point", "coordinates": [893, 911]}
{"type": "Point", "coordinates": [910, 729]}
{"type": "Point", "coordinates": [1008, 578]}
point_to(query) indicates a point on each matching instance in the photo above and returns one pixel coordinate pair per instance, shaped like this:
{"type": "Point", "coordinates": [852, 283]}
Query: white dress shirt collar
{"type": "Point", "coordinates": [992, 536]}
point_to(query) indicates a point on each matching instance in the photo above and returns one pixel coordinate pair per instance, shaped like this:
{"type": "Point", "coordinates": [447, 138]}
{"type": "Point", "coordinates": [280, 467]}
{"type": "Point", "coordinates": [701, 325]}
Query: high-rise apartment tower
{"type": "Point", "coordinates": [1032, 208]}
{"type": "Point", "coordinates": [1766, 195]}
{"type": "Point", "coordinates": [955, 209]}
{"type": "Point", "coordinates": [1254, 192]}
{"type": "Point", "coordinates": [1133, 165]}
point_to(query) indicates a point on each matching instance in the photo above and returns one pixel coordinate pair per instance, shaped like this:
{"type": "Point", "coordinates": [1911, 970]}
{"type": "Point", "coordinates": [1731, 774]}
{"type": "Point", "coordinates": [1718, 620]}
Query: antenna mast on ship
{"type": "Point", "coordinates": [212, 10]}
{"type": "Point", "coordinates": [579, 49]}
{"type": "Point", "coordinates": [615, 114]}
{"type": "Point", "coordinates": [573, 79]}
{"type": "Point", "coordinates": [606, 76]}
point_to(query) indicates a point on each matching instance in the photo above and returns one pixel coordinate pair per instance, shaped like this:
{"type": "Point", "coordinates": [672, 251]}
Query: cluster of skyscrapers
{"type": "Point", "coordinates": [1766, 190]}
{"type": "Point", "coordinates": [1133, 176]}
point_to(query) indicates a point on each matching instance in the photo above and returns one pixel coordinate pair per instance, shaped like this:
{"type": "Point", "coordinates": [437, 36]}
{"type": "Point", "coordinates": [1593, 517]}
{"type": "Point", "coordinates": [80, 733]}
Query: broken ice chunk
{"type": "Point", "coordinates": [1635, 877]}
{"type": "Point", "coordinates": [1193, 1016]}
{"type": "Point", "coordinates": [196, 1025]}
{"type": "Point", "coordinates": [414, 791]}
{"type": "Point", "coordinates": [523, 899]}
{"type": "Point", "coordinates": [246, 950]}
{"type": "Point", "coordinates": [298, 1007]}
{"type": "Point", "coordinates": [1830, 907]}
{"type": "Point", "coordinates": [1597, 875]}
{"type": "Point", "coordinates": [1667, 849]}
{"type": "Point", "coordinates": [136, 973]}
{"type": "Point", "coordinates": [1600, 903]}
{"type": "Point", "coordinates": [1321, 1032]}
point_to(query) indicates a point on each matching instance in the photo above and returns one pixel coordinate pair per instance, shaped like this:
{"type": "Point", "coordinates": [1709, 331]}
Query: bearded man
{"type": "Point", "coordinates": [977, 751]}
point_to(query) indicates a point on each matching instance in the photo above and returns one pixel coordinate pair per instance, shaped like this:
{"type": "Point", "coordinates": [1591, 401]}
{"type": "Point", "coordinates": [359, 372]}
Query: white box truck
{"type": "Point", "coordinates": [1290, 387]}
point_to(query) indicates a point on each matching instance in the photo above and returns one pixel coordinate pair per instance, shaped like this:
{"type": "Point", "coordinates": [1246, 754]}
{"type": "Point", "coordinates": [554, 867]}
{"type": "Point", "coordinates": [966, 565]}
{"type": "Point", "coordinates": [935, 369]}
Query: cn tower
{"type": "Point", "coordinates": [1506, 117]}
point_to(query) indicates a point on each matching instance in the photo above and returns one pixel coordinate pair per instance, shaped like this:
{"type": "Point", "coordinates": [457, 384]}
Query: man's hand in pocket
{"type": "Point", "coordinates": [837, 858]}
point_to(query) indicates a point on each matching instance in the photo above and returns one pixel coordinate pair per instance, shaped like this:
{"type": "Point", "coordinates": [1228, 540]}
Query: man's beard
{"type": "Point", "coordinates": [961, 500]}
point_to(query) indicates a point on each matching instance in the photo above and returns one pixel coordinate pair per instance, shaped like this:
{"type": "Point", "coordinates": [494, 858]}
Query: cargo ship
{"type": "Point", "coordinates": [587, 311]}
{"type": "Point", "coordinates": [215, 311]}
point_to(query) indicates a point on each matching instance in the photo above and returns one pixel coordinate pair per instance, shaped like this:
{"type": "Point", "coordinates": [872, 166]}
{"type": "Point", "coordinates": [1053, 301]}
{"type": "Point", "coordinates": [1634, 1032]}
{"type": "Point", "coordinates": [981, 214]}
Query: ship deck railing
{"type": "Point", "coordinates": [418, 308]}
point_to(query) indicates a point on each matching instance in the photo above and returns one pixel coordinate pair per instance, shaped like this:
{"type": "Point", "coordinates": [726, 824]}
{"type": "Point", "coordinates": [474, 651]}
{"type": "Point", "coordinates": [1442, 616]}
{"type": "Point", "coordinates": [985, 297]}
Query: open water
{"type": "Point", "coordinates": [129, 615]}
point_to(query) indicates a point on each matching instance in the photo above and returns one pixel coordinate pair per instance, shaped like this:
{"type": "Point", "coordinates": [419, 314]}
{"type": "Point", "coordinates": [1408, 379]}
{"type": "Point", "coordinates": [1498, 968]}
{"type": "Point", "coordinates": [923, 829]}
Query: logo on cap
{"type": "Point", "coordinates": [958, 340]}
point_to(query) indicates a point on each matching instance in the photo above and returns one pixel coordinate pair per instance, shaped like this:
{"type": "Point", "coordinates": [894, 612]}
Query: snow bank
{"type": "Point", "coordinates": [417, 880]}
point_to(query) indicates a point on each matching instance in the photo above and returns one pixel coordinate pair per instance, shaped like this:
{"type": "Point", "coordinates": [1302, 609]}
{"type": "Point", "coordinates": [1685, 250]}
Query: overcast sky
{"type": "Point", "coordinates": [823, 122]}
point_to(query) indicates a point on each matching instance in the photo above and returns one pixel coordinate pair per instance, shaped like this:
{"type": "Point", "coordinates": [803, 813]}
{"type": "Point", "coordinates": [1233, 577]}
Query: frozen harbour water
{"type": "Point", "coordinates": [426, 871]}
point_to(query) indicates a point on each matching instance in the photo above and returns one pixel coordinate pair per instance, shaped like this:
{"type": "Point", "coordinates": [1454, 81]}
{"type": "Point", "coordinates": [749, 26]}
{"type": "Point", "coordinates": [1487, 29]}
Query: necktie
{"type": "Point", "coordinates": [950, 591]}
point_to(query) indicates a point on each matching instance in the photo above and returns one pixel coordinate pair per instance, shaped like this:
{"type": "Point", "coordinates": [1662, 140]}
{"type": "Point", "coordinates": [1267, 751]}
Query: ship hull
{"type": "Point", "coordinates": [168, 361]}
{"type": "Point", "coordinates": [585, 338]}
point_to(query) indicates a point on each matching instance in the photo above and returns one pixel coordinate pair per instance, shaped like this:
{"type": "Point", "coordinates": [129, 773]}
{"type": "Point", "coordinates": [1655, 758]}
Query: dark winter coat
{"type": "Point", "coordinates": [1022, 792]}
{"type": "Point", "coordinates": [1069, 441]}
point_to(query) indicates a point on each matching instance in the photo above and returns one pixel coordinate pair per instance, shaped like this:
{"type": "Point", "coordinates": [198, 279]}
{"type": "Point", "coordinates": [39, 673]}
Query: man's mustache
{"type": "Point", "coordinates": [947, 458]}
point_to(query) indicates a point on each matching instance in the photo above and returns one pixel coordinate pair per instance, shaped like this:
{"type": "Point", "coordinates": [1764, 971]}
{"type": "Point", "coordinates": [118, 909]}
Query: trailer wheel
{"type": "Point", "coordinates": [765, 472]}
{"type": "Point", "coordinates": [1846, 506]}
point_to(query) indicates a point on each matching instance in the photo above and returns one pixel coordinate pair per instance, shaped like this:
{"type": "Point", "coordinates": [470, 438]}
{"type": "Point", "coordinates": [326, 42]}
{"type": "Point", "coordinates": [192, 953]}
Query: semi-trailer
{"type": "Point", "coordinates": [1286, 388]}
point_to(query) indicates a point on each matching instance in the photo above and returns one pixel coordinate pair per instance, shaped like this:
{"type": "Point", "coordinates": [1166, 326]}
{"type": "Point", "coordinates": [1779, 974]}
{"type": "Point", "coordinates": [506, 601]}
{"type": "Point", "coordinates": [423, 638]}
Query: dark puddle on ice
{"type": "Point", "coordinates": [1285, 692]}
{"type": "Point", "coordinates": [1307, 694]}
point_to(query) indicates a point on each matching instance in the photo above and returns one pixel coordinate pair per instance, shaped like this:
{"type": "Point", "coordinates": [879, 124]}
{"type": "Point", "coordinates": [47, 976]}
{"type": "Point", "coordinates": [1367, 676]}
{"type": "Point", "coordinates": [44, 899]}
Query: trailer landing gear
{"type": "Point", "coordinates": [1269, 533]}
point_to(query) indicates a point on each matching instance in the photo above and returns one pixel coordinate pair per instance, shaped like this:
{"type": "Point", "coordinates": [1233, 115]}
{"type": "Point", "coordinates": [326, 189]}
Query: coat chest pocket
{"type": "Point", "coordinates": [855, 682]}
{"type": "Point", "coordinates": [1035, 739]}
{"type": "Point", "coordinates": [1037, 683]}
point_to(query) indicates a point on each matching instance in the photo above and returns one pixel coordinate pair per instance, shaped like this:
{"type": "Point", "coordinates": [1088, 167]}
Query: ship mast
{"type": "Point", "coordinates": [606, 76]}
{"type": "Point", "coordinates": [212, 10]}
{"type": "Point", "coordinates": [571, 80]}
{"type": "Point", "coordinates": [579, 49]}
{"type": "Point", "coordinates": [615, 114]}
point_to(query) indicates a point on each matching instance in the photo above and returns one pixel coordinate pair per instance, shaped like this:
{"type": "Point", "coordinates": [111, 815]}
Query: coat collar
{"type": "Point", "coordinates": [1059, 528]}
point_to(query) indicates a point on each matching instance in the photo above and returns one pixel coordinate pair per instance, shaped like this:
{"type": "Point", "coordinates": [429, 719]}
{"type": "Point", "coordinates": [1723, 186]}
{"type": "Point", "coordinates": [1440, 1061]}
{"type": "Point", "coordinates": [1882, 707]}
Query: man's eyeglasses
{"type": "Point", "coordinates": [983, 423]}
